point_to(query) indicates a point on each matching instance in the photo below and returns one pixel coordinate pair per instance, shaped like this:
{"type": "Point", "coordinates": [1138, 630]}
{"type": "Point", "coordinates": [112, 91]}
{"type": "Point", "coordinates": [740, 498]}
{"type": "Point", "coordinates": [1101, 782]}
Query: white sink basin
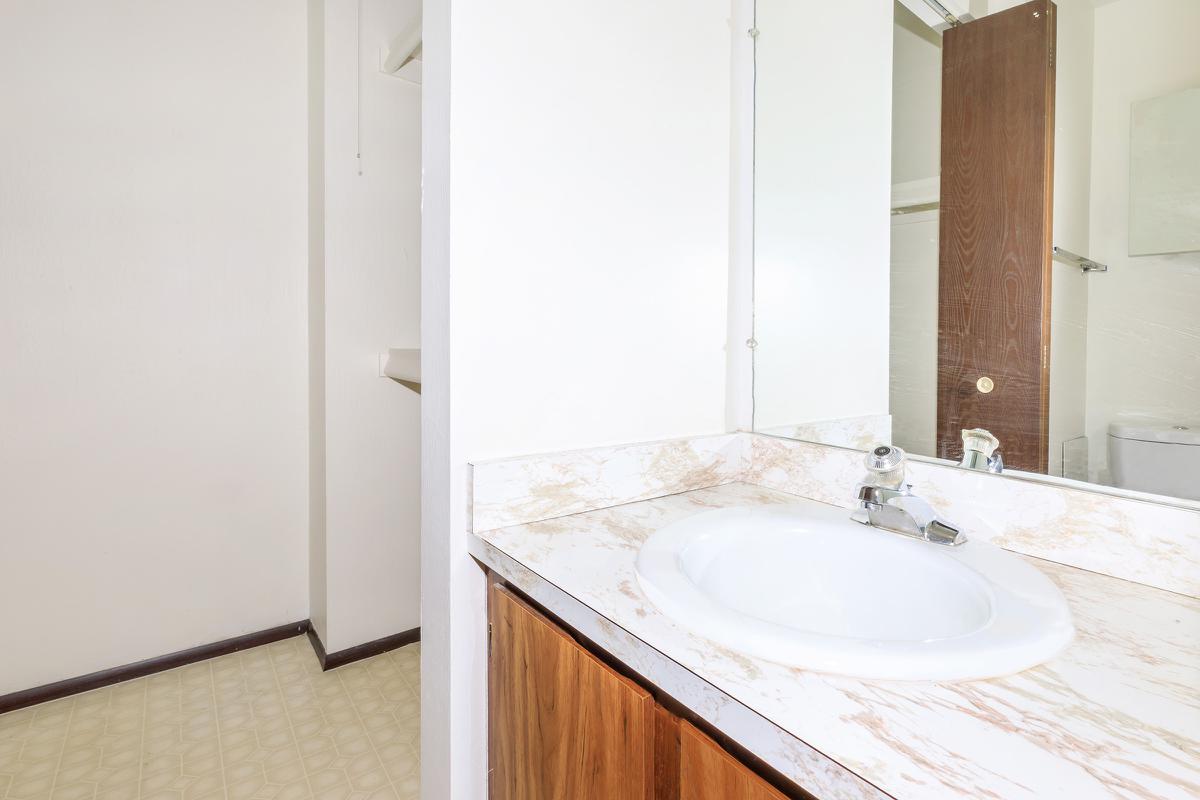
{"type": "Point", "coordinates": [805, 586]}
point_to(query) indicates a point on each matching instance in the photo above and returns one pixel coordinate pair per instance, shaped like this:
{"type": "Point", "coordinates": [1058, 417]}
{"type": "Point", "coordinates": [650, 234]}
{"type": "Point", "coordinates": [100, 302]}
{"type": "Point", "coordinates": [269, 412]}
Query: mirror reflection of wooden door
{"type": "Point", "coordinates": [995, 240]}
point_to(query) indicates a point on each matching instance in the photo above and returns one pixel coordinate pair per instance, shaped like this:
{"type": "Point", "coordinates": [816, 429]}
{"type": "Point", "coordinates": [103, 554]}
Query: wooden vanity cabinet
{"type": "Point", "coordinates": [563, 725]}
{"type": "Point", "coordinates": [708, 772]}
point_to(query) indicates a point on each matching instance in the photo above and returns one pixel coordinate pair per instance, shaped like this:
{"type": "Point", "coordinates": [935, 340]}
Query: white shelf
{"type": "Point", "coordinates": [410, 72]}
{"type": "Point", "coordinates": [402, 365]}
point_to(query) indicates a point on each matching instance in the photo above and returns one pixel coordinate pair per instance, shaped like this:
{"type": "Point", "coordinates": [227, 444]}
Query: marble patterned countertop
{"type": "Point", "coordinates": [1116, 715]}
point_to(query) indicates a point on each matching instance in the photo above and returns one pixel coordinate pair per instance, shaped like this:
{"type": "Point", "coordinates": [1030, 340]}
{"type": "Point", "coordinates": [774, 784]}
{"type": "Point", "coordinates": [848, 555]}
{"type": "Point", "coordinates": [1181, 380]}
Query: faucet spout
{"type": "Point", "coordinates": [885, 501]}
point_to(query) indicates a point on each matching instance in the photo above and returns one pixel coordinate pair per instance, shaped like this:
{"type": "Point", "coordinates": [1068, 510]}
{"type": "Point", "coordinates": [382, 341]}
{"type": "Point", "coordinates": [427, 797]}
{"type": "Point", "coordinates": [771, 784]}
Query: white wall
{"type": "Point", "coordinates": [574, 280]}
{"type": "Point", "coordinates": [590, 222]}
{"type": "Point", "coordinates": [1072, 183]}
{"type": "Point", "coordinates": [365, 547]}
{"type": "Point", "coordinates": [916, 99]}
{"type": "Point", "coordinates": [913, 287]}
{"type": "Point", "coordinates": [318, 592]}
{"type": "Point", "coordinates": [822, 195]}
{"type": "Point", "coordinates": [1073, 56]}
{"type": "Point", "coordinates": [1143, 324]}
{"type": "Point", "coordinates": [914, 328]}
{"type": "Point", "coordinates": [152, 329]}
{"type": "Point", "coordinates": [1068, 363]}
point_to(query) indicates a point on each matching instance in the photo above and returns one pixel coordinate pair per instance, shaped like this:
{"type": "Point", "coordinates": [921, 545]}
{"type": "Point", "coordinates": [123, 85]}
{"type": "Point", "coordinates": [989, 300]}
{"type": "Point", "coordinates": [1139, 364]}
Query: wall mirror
{"type": "Point", "coordinates": [982, 244]}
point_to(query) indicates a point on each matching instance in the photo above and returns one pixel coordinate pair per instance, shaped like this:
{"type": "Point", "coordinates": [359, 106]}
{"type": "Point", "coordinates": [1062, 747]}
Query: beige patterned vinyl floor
{"type": "Point", "coordinates": [264, 723]}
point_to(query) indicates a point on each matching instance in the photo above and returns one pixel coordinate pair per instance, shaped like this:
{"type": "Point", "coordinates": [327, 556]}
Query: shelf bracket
{"type": "Point", "coordinates": [1083, 262]}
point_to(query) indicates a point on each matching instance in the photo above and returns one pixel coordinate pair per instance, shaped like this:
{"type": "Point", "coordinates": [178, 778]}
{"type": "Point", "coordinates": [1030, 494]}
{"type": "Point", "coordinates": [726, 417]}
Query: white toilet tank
{"type": "Point", "coordinates": [1157, 458]}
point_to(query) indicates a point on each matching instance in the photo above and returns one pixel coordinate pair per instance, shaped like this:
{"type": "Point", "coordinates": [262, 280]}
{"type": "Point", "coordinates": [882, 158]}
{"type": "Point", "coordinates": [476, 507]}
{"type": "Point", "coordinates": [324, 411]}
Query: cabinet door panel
{"type": "Point", "coordinates": [707, 772]}
{"type": "Point", "coordinates": [666, 755]}
{"type": "Point", "coordinates": [562, 724]}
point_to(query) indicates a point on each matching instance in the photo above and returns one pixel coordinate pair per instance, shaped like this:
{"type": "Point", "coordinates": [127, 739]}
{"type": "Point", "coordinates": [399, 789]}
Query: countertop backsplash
{"type": "Point", "coordinates": [1137, 540]}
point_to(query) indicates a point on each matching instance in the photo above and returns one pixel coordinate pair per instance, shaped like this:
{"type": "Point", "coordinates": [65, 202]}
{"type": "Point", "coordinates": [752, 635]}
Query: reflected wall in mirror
{"type": "Point", "coordinates": [1164, 174]}
{"type": "Point", "coordinates": [1038, 275]}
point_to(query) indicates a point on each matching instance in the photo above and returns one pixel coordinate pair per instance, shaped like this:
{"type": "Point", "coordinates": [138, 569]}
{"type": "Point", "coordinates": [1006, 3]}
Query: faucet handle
{"type": "Point", "coordinates": [979, 439]}
{"type": "Point", "coordinates": [885, 466]}
{"type": "Point", "coordinates": [979, 450]}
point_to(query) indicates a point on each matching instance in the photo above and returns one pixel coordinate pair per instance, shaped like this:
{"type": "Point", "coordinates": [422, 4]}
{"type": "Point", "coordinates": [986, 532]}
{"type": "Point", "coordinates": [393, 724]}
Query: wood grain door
{"type": "Point", "coordinates": [707, 772]}
{"type": "Point", "coordinates": [995, 239]}
{"type": "Point", "coordinates": [562, 724]}
{"type": "Point", "coordinates": [666, 754]}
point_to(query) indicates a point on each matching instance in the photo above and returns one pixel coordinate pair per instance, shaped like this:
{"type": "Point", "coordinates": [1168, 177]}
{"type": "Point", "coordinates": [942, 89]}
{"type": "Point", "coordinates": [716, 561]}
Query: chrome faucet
{"type": "Point", "coordinates": [885, 501]}
{"type": "Point", "coordinates": [979, 451]}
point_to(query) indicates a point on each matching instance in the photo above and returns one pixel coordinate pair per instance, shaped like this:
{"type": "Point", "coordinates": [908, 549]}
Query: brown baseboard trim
{"type": "Point", "coordinates": [317, 647]}
{"type": "Point", "coordinates": [139, 669]}
{"type": "Point", "coordinates": [365, 650]}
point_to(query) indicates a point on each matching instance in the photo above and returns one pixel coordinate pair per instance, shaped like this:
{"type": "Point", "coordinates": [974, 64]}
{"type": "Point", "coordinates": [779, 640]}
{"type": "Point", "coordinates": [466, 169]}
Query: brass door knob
{"type": "Point", "coordinates": [985, 384]}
